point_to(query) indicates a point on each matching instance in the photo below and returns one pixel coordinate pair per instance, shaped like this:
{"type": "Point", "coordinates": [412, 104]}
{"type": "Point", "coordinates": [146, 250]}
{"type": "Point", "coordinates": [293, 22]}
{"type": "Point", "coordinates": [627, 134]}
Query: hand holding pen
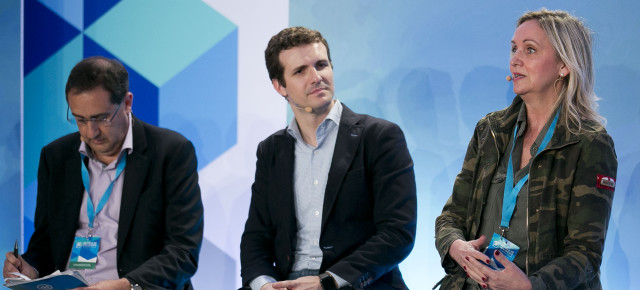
{"type": "Point", "coordinates": [14, 263]}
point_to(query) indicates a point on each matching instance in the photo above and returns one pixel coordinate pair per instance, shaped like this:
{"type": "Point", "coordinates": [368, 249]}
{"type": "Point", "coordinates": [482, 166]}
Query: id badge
{"type": "Point", "coordinates": [506, 247]}
{"type": "Point", "coordinates": [84, 254]}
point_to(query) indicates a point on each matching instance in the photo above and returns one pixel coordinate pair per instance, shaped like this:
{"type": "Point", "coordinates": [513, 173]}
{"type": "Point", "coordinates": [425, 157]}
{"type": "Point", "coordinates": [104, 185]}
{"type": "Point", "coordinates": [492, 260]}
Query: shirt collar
{"type": "Point", "coordinates": [334, 116]}
{"type": "Point", "coordinates": [522, 119]}
{"type": "Point", "coordinates": [127, 144]}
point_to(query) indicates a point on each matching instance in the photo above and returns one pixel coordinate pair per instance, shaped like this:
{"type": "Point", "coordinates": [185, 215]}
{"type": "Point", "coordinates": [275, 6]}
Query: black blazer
{"type": "Point", "coordinates": [369, 214]}
{"type": "Point", "coordinates": [161, 215]}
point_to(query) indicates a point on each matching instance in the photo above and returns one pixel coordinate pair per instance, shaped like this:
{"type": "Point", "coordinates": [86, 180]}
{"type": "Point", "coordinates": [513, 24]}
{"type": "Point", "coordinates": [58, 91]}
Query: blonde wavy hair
{"type": "Point", "coordinates": [572, 42]}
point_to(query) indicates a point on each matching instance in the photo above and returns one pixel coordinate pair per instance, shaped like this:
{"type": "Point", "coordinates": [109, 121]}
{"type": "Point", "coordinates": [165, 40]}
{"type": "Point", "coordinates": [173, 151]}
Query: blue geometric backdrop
{"type": "Point", "coordinates": [432, 67]}
{"type": "Point", "coordinates": [181, 57]}
{"type": "Point", "coordinates": [182, 63]}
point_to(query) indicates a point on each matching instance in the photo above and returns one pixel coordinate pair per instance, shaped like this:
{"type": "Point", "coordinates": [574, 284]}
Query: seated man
{"type": "Point", "coordinates": [334, 199]}
{"type": "Point", "coordinates": [128, 189]}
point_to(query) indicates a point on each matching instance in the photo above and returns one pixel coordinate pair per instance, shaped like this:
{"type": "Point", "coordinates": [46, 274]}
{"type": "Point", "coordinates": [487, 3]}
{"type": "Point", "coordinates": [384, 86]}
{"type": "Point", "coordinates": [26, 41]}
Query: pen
{"type": "Point", "coordinates": [15, 250]}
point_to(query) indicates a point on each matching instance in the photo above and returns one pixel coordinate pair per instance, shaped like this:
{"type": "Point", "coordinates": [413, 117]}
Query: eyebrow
{"type": "Point", "coordinates": [96, 116]}
{"type": "Point", "coordinates": [304, 66]}
{"type": "Point", "coordinates": [526, 40]}
{"type": "Point", "coordinates": [295, 69]}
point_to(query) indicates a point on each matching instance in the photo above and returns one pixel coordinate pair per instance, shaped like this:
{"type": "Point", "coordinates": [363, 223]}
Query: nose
{"type": "Point", "coordinates": [515, 58]}
{"type": "Point", "coordinates": [91, 130]}
{"type": "Point", "coordinates": [315, 75]}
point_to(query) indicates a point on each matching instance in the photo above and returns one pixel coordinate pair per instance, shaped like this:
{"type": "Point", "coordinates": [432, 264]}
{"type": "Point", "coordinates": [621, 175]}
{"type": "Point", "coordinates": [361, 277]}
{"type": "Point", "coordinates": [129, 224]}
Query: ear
{"type": "Point", "coordinates": [564, 70]}
{"type": "Point", "coordinates": [128, 101]}
{"type": "Point", "coordinates": [279, 88]}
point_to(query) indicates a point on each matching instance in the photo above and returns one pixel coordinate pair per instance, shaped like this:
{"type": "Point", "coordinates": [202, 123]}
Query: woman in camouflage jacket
{"type": "Point", "coordinates": [571, 182]}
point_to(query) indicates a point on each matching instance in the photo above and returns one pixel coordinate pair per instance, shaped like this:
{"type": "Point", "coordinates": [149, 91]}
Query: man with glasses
{"type": "Point", "coordinates": [118, 200]}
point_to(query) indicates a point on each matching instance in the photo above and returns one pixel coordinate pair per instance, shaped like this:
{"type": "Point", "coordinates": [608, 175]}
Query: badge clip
{"type": "Point", "coordinates": [503, 230]}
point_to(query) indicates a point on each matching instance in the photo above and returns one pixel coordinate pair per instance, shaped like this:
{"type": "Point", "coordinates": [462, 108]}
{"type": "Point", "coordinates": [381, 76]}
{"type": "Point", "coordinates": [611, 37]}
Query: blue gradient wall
{"type": "Point", "coordinates": [437, 67]}
{"type": "Point", "coordinates": [432, 67]}
{"type": "Point", "coordinates": [10, 132]}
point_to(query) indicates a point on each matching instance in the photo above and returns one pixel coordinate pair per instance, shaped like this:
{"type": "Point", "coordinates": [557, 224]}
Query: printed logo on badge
{"type": "Point", "coordinates": [606, 182]}
{"type": "Point", "coordinates": [506, 247]}
{"type": "Point", "coordinates": [84, 254]}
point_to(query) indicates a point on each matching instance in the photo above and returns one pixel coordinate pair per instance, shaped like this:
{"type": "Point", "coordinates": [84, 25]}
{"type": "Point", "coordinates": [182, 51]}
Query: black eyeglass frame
{"type": "Point", "coordinates": [99, 122]}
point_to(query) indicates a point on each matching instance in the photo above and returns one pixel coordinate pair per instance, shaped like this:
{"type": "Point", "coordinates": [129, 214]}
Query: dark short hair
{"type": "Point", "coordinates": [286, 39]}
{"type": "Point", "coordinates": [98, 71]}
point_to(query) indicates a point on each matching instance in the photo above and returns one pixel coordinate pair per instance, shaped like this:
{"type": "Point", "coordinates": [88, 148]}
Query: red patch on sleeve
{"type": "Point", "coordinates": [606, 182]}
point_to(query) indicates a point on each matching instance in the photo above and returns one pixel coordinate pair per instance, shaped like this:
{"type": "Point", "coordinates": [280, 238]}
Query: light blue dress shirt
{"type": "Point", "coordinates": [311, 170]}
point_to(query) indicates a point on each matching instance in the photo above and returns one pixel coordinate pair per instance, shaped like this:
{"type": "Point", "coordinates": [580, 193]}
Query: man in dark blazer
{"type": "Point", "coordinates": [154, 204]}
{"type": "Point", "coordinates": [353, 169]}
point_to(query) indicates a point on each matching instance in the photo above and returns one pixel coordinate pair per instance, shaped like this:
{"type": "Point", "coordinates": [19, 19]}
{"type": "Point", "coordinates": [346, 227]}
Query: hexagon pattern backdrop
{"type": "Point", "coordinates": [182, 63]}
{"type": "Point", "coordinates": [433, 67]}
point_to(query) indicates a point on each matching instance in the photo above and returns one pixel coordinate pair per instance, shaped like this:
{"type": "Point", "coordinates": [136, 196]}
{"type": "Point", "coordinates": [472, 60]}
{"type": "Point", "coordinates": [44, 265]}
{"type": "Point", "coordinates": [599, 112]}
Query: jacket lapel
{"type": "Point", "coordinates": [135, 175]}
{"type": "Point", "coordinates": [74, 189]}
{"type": "Point", "coordinates": [283, 177]}
{"type": "Point", "coordinates": [71, 201]}
{"type": "Point", "coordinates": [347, 142]}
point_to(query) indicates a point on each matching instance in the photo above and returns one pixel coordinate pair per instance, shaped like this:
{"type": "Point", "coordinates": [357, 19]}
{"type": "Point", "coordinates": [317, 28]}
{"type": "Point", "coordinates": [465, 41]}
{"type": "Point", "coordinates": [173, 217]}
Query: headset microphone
{"type": "Point", "coordinates": [509, 78]}
{"type": "Point", "coordinates": [301, 108]}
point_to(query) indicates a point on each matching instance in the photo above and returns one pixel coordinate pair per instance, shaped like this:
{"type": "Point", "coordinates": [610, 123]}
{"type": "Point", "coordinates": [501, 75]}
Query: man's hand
{"type": "Point", "coordinates": [13, 264]}
{"type": "Point", "coordinates": [302, 283]}
{"type": "Point", "coordinates": [120, 284]}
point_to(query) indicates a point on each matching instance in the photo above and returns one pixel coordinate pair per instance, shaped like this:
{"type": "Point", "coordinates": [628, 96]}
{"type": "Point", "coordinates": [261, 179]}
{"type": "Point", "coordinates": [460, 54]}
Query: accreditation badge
{"type": "Point", "coordinates": [84, 254]}
{"type": "Point", "coordinates": [507, 248]}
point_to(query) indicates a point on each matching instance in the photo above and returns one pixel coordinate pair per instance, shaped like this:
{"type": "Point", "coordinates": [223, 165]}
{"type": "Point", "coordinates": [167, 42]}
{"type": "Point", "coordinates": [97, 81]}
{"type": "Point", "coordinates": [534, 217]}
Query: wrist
{"type": "Point", "coordinates": [32, 273]}
{"type": "Point", "coordinates": [454, 246]}
{"type": "Point", "coordinates": [327, 281]}
{"type": "Point", "coordinates": [133, 284]}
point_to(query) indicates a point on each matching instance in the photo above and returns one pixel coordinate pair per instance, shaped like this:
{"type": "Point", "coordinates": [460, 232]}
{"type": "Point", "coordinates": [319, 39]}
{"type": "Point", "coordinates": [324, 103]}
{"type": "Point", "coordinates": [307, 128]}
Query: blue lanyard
{"type": "Point", "coordinates": [91, 213]}
{"type": "Point", "coordinates": [511, 192]}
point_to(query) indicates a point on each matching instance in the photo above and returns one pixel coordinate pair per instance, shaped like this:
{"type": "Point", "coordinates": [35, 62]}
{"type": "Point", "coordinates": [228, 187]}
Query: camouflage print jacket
{"type": "Point", "coordinates": [568, 207]}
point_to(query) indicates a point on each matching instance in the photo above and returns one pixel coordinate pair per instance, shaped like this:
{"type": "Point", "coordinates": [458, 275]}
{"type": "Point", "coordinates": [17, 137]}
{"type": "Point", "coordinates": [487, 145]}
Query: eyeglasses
{"type": "Point", "coordinates": [102, 122]}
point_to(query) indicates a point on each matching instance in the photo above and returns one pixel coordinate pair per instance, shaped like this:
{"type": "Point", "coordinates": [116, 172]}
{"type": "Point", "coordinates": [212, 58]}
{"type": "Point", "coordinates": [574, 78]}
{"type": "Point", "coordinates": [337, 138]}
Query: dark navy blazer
{"type": "Point", "coordinates": [161, 215]}
{"type": "Point", "coordinates": [369, 214]}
